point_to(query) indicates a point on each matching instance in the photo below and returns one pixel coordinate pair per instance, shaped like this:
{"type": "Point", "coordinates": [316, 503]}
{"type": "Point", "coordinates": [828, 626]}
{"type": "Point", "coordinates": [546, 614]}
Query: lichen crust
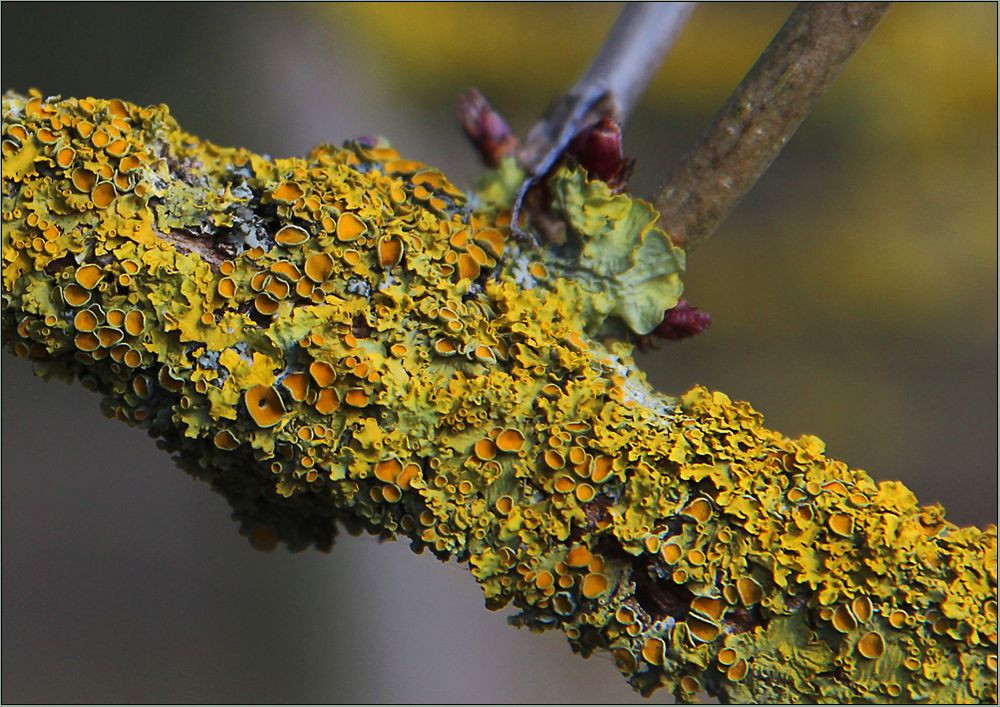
{"type": "Point", "coordinates": [344, 339]}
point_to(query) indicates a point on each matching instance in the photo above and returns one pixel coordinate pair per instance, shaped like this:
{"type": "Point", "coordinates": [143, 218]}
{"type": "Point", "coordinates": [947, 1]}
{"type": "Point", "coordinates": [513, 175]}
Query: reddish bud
{"type": "Point", "coordinates": [485, 128]}
{"type": "Point", "coordinates": [599, 151]}
{"type": "Point", "coordinates": [682, 321]}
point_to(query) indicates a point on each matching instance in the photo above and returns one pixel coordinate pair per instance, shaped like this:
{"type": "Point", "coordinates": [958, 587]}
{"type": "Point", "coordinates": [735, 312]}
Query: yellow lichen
{"type": "Point", "coordinates": [346, 341]}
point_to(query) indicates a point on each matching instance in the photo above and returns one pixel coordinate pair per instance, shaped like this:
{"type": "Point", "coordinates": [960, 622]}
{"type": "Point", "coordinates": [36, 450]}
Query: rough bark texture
{"type": "Point", "coordinates": [343, 339]}
{"type": "Point", "coordinates": [761, 115]}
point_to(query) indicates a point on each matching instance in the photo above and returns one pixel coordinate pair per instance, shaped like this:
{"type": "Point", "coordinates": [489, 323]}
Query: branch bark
{"type": "Point", "coordinates": [633, 51]}
{"type": "Point", "coordinates": [761, 115]}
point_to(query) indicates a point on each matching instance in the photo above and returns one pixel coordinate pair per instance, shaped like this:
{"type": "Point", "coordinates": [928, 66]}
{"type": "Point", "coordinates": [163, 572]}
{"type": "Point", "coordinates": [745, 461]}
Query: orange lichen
{"type": "Point", "coordinates": [388, 470]}
{"type": "Point", "coordinates": [585, 493]}
{"type": "Point", "coordinates": [468, 268]}
{"type": "Point", "coordinates": [85, 320]}
{"type": "Point", "coordinates": [700, 509]}
{"type": "Point", "coordinates": [265, 304]}
{"type": "Point", "coordinates": [408, 475]}
{"type": "Point", "coordinates": [356, 397]}
{"type": "Point", "coordinates": [841, 524]}
{"type": "Point", "coordinates": [109, 336]}
{"type": "Point", "coordinates": [392, 494]}
{"type": "Point", "coordinates": [103, 194]}
{"type": "Point", "coordinates": [115, 317]}
{"type": "Point", "coordinates": [871, 645]}
{"type": "Point", "coordinates": [544, 580]}
{"type": "Point", "coordinates": [689, 685]}
{"type": "Point", "coordinates": [327, 401]}
{"type": "Point", "coordinates": [87, 341]}
{"type": "Point", "coordinates": [227, 287]}
{"type": "Point", "coordinates": [350, 227]}
{"type": "Point", "coordinates": [291, 236]}
{"type": "Point", "coordinates": [87, 276]}
{"type": "Point", "coordinates": [445, 347]}
{"type": "Point", "coordinates": [264, 405]}
{"type": "Point", "coordinates": [671, 552]}
{"type": "Point", "coordinates": [224, 440]}
{"type": "Point", "coordinates": [603, 468]}
{"type": "Point", "coordinates": [390, 252]}
{"type": "Point", "coordinates": [594, 585]}
{"type": "Point", "coordinates": [738, 670]}
{"type": "Point", "coordinates": [843, 620]}
{"type": "Point", "coordinates": [322, 373]}
{"type": "Point", "coordinates": [297, 385]}
{"type": "Point", "coordinates": [554, 459]}
{"type": "Point", "coordinates": [510, 440]}
{"type": "Point", "coordinates": [132, 358]}
{"type": "Point", "coordinates": [709, 607]}
{"type": "Point", "coordinates": [485, 449]}
{"type": "Point", "coordinates": [749, 590]}
{"type": "Point", "coordinates": [277, 288]}
{"type": "Point", "coordinates": [287, 192]}
{"type": "Point", "coordinates": [702, 629]}
{"type": "Point", "coordinates": [862, 609]}
{"type": "Point", "coordinates": [65, 156]}
{"type": "Point", "coordinates": [653, 650]}
{"type": "Point", "coordinates": [579, 556]}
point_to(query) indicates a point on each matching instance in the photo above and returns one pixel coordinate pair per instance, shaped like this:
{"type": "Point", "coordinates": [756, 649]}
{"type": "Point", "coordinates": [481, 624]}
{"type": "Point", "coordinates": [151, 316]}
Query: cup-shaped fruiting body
{"type": "Point", "coordinates": [344, 338]}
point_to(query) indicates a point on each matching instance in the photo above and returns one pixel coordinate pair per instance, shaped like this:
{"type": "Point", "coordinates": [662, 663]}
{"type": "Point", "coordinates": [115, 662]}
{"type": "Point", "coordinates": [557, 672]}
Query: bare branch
{"type": "Point", "coordinates": [760, 116]}
{"type": "Point", "coordinates": [633, 51]}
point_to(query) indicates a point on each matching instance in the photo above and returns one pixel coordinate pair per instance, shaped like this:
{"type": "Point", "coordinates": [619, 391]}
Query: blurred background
{"type": "Point", "coordinates": [853, 293]}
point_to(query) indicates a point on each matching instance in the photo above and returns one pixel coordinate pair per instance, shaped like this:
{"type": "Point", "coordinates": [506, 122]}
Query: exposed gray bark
{"type": "Point", "coordinates": [632, 53]}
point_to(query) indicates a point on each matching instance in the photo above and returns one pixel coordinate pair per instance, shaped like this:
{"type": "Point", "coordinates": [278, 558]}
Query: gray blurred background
{"type": "Point", "coordinates": [854, 296]}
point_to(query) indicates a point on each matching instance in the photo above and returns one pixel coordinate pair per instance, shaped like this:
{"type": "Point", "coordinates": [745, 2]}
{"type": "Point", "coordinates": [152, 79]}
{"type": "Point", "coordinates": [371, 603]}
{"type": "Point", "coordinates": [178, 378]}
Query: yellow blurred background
{"type": "Point", "coordinates": [853, 293]}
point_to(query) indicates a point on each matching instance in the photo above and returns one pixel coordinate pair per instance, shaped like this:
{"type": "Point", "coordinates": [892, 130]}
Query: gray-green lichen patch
{"type": "Point", "coordinates": [625, 268]}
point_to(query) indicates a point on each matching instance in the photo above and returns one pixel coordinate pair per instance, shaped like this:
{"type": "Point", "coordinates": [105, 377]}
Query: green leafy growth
{"type": "Point", "coordinates": [626, 268]}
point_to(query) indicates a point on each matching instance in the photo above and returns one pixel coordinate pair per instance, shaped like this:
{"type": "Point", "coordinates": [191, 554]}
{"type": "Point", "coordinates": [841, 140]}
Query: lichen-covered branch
{"type": "Point", "coordinates": [348, 338]}
{"type": "Point", "coordinates": [761, 115]}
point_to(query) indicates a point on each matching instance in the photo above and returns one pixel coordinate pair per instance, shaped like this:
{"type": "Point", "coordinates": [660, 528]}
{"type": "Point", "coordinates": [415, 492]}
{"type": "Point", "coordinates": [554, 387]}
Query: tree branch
{"type": "Point", "coordinates": [761, 115]}
{"type": "Point", "coordinates": [631, 54]}
{"type": "Point", "coordinates": [367, 351]}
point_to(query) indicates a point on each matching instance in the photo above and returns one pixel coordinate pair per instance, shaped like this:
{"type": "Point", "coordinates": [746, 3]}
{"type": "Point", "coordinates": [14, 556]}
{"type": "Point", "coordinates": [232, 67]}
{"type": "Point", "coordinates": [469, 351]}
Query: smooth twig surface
{"type": "Point", "coordinates": [633, 52]}
{"type": "Point", "coordinates": [761, 115]}
{"type": "Point", "coordinates": [634, 49]}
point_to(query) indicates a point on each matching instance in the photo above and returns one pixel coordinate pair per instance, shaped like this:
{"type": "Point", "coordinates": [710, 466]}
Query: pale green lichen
{"type": "Point", "coordinates": [344, 339]}
{"type": "Point", "coordinates": [623, 265]}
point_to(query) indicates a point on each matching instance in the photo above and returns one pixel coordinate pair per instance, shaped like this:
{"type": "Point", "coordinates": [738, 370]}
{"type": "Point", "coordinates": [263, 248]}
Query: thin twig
{"type": "Point", "coordinates": [761, 115]}
{"type": "Point", "coordinates": [630, 56]}
{"type": "Point", "coordinates": [633, 52]}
